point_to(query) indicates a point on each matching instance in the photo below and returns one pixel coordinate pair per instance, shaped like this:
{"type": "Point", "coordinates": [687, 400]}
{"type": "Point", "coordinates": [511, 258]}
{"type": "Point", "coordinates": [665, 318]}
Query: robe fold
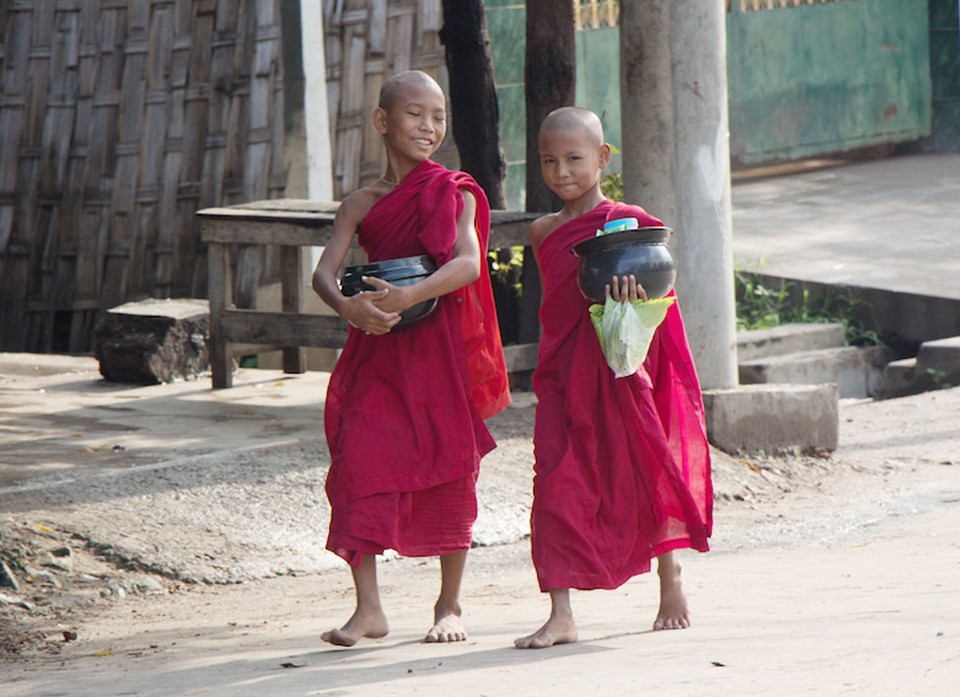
{"type": "Point", "coordinates": [404, 411]}
{"type": "Point", "coordinates": [622, 465]}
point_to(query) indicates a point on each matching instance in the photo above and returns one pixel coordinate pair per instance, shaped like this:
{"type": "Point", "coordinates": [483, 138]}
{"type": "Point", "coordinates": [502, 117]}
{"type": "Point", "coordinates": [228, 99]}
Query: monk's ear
{"type": "Point", "coordinates": [604, 155]}
{"type": "Point", "coordinates": [380, 120]}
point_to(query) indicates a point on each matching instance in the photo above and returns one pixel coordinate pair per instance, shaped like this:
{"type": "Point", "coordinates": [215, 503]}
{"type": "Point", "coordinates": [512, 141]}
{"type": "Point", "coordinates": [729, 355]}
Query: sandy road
{"type": "Point", "coordinates": [827, 577]}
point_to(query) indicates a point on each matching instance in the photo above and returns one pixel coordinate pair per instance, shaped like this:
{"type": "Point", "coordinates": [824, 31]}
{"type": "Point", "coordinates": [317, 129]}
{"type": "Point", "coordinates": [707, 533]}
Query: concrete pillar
{"type": "Point", "coordinates": [676, 162]}
{"type": "Point", "coordinates": [316, 112]}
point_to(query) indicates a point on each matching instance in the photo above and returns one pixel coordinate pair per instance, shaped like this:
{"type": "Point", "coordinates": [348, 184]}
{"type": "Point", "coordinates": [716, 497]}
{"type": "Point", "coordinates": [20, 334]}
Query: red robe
{"type": "Point", "coordinates": [404, 411]}
{"type": "Point", "coordinates": [622, 469]}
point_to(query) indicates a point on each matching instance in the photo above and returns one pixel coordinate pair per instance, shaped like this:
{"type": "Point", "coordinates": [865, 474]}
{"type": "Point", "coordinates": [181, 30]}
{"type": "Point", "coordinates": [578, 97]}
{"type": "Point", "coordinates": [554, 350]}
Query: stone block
{"type": "Point", "coordinates": [936, 365]}
{"type": "Point", "coordinates": [940, 359]}
{"type": "Point", "coordinates": [855, 371]}
{"type": "Point", "coordinates": [788, 338]}
{"type": "Point", "coordinates": [154, 341]}
{"type": "Point", "coordinates": [900, 378]}
{"type": "Point", "coordinates": [773, 418]}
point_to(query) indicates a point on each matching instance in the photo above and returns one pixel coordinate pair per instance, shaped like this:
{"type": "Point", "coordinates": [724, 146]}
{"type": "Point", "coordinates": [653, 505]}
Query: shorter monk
{"type": "Point", "coordinates": [622, 465]}
{"type": "Point", "coordinates": [405, 406]}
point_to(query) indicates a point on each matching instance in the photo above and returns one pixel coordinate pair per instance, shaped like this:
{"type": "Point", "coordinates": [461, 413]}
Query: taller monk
{"type": "Point", "coordinates": [405, 407]}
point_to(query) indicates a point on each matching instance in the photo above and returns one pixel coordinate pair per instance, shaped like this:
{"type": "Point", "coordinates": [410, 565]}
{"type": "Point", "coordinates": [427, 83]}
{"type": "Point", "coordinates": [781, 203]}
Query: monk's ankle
{"type": "Point", "coordinates": [444, 607]}
{"type": "Point", "coordinates": [669, 573]}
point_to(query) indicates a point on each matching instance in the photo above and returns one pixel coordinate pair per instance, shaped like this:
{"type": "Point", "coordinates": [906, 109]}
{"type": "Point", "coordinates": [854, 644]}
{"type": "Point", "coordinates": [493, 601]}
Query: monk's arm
{"type": "Point", "coordinates": [462, 268]}
{"type": "Point", "coordinates": [359, 309]}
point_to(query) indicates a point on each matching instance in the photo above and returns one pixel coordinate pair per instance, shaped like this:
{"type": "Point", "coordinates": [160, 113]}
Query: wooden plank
{"type": "Point", "coordinates": [309, 223]}
{"type": "Point", "coordinates": [520, 357]}
{"type": "Point", "coordinates": [285, 329]}
{"type": "Point", "coordinates": [281, 205]}
{"type": "Point", "coordinates": [510, 228]}
{"type": "Point", "coordinates": [260, 231]}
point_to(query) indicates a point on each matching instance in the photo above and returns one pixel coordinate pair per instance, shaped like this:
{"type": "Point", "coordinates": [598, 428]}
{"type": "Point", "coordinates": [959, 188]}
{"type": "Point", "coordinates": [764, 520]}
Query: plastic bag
{"type": "Point", "coordinates": [626, 329]}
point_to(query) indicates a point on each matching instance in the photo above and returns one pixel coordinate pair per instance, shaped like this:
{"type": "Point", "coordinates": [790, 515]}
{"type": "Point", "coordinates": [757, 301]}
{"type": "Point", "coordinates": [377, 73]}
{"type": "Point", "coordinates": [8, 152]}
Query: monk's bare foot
{"type": "Point", "coordinates": [556, 630]}
{"type": "Point", "coordinates": [673, 613]}
{"type": "Point", "coordinates": [447, 628]}
{"type": "Point", "coordinates": [364, 624]}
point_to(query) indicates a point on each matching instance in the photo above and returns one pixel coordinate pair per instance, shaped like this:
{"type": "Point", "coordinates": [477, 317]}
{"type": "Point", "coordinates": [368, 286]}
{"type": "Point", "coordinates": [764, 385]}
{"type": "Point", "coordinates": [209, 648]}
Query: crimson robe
{"type": "Point", "coordinates": [622, 471]}
{"type": "Point", "coordinates": [404, 411]}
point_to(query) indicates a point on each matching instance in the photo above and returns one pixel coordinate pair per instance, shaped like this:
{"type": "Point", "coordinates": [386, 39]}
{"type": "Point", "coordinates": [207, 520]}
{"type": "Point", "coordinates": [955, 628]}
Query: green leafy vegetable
{"type": "Point", "coordinates": [626, 329]}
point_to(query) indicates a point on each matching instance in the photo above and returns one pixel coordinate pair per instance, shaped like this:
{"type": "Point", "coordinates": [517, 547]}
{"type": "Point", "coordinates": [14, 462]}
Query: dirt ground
{"type": "Point", "coordinates": [175, 565]}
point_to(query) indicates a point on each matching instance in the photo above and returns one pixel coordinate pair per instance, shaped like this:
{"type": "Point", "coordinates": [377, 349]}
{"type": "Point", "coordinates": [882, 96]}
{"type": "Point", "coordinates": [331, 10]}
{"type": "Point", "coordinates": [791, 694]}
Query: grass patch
{"type": "Point", "coordinates": [763, 307]}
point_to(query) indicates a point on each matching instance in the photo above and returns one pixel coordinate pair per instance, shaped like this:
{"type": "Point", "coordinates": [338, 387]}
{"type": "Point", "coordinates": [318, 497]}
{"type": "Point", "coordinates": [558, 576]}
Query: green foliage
{"type": "Point", "coordinates": [939, 378]}
{"type": "Point", "coordinates": [760, 307]}
{"type": "Point", "coordinates": [505, 266]}
{"type": "Point", "coordinates": [611, 186]}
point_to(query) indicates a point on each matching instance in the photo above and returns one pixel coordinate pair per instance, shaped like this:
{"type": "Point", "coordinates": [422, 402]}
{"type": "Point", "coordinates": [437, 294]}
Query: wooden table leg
{"type": "Point", "coordinates": [220, 290]}
{"type": "Point", "coordinates": [291, 259]}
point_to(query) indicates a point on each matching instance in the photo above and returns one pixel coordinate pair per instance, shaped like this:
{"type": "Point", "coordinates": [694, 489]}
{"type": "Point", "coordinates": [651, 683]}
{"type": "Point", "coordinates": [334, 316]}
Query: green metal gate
{"type": "Point", "coordinates": [809, 77]}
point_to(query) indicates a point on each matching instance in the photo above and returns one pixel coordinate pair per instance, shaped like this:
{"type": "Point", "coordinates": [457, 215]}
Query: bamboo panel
{"type": "Point", "coordinates": [120, 119]}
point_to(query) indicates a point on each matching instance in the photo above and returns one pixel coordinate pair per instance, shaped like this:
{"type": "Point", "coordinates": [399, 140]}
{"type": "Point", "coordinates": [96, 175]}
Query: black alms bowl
{"type": "Point", "coordinates": [400, 272]}
{"type": "Point", "coordinates": [642, 252]}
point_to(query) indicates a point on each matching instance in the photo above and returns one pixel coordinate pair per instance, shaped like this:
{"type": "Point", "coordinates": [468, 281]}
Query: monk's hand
{"type": "Point", "coordinates": [390, 298]}
{"type": "Point", "coordinates": [361, 310]}
{"type": "Point", "coordinates": [626, 288]}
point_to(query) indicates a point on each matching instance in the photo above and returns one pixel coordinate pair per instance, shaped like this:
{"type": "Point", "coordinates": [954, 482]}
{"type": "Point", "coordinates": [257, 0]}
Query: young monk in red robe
{"type": "Point", "coordinates": [405, 407]}
{"type": "Point", "coordinates": [622, 472]}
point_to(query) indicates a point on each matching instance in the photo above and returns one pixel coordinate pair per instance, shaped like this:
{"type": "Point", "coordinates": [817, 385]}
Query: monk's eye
{"type": "Point", "coordinates": [413, 114]}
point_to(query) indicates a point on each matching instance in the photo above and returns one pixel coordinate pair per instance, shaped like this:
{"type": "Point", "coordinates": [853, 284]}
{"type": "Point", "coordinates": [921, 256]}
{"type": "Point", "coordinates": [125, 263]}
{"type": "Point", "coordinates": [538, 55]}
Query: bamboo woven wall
{"type": "Point", "coordinates": [365, 42]}
{"type": "Point", "coordinates": [119, 120]}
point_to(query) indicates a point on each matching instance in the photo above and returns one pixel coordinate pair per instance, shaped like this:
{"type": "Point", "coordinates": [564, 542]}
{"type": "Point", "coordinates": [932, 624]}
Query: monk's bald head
{"type": "Point", "coordinates": [571, 118]}
{"type": "Point", "coordinates": [396, 86]}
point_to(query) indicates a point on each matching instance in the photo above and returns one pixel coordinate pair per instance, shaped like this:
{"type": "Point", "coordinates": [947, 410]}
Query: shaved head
{"type": "Point", "coordinates": [397, 85]}
{"type": "Point", "coordinates": [569, 118]}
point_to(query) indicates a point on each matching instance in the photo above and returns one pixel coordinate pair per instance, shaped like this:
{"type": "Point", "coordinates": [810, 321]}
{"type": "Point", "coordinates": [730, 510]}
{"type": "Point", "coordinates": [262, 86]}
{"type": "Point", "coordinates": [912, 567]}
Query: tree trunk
{"type": "Point", "coordinates": [550, 74]}
{"type": "Point", "coordinates": [473, 96]}
{"type": "Point", "coordinates": [550, 77]}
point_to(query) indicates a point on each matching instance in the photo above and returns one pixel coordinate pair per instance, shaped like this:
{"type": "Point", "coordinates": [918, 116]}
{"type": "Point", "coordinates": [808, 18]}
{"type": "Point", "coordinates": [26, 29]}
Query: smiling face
{"type": "Point", "coordinates": [572, 155]}
{"type": "Point", "coordinates": [412, 116]}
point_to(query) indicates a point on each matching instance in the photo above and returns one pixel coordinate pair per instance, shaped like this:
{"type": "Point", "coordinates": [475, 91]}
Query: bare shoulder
{"type": "Point", "coordinates": [543, 226]}
{"type": "Point", "coordinates": [357, 204]}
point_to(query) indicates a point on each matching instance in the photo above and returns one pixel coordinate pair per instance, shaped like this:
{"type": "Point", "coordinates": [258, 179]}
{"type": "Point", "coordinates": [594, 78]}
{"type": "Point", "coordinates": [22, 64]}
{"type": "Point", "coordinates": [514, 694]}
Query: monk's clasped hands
{"type": "Point", "coordinates": [363, 310]}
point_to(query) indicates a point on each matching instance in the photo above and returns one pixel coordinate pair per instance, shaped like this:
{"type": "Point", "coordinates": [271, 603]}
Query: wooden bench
{"type": "Point", "coordinates": [293, 224]}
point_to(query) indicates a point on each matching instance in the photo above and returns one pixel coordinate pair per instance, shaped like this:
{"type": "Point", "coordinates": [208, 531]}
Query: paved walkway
{"type": "Point", "coordinates": [890, 224]}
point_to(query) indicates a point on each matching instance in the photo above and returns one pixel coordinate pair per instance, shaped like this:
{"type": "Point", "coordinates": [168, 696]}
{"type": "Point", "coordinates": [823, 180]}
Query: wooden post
{"type": "Point", "coordinates": [550, 75]}
{"type": "Point", "coordinates": [220, 283]}
{"type": "Point", "coordinates": [291, 261]}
